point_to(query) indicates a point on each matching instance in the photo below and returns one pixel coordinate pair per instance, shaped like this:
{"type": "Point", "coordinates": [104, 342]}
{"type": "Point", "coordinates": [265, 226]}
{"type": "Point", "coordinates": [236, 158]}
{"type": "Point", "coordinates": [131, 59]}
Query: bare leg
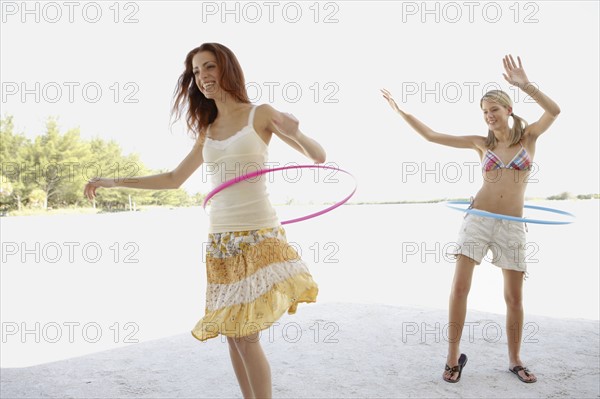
{"type": "Point", "coordinates": [513, 295]}
{"type": "Point", "coordinates": [257, 367]}
{"type": "Point", "coordinates": [461, 285]}
{"type": "Point", "coordinates": [240, 369]}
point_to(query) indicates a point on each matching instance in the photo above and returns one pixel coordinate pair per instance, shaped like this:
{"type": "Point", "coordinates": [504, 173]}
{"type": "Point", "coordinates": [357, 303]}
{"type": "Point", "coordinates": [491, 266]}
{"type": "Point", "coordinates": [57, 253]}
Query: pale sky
{"type": "Point", "coordinates": [325, 63]}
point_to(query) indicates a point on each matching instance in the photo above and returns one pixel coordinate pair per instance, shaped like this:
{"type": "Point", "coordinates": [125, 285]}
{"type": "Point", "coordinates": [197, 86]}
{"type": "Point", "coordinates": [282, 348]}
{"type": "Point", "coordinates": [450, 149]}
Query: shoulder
{"type": "Point", "coordinates": [528, 136]}
{"type": "Point", "coordinates": [264, 110]}
{"type": "Point", "coordinates": [264, 115]}
{"type": "Point", "coordinates": [479, 141]}
{"type": "Point", "coordinates": [479, 144]}
{"type": "Point", "coordinates": [263, 120]}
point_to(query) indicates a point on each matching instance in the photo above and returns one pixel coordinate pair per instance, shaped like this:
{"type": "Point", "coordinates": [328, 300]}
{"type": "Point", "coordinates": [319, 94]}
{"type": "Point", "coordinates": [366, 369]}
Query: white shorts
{"type": "Point", "coordinates": [504, 238]}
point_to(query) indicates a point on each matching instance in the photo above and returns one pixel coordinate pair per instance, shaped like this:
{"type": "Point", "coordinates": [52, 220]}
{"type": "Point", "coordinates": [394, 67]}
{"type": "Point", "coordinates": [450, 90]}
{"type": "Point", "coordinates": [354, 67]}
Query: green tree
{"type": "Point", "coordinates": [59, 165]}
{"type": "Point", "coordinates": [37, 198]}
{"type": "Point", "coordinates": [197, 199]}
{"type": "Point", "coordinates": [12, 149]}
{"type": "Point", "coordinates": [53, 165]}
{"type": "Point", "coordinates": [562, 196]}
{"type": "Point", "coordinates": [177, 197]}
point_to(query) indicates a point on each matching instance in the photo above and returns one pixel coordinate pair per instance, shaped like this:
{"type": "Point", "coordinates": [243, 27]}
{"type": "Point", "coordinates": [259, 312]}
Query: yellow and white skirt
{"type": "Point", "coordinates": [253, 277]}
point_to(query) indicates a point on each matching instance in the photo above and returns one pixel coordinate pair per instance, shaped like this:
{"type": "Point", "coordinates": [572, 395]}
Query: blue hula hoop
{"type": "Point", "coordinates": [479, 212]}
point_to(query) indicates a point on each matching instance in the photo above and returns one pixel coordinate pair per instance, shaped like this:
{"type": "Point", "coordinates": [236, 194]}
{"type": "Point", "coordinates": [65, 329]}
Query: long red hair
{"type": "Point", "coordinates": [202, 111]}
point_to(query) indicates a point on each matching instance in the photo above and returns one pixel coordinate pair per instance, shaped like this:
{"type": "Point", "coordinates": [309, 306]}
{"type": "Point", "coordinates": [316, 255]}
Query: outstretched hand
{"type": "Point", "coordinates": [515, 75]}
{"type": "Point", "coordinates": [388, 96]}
{"type": "Point", "coordinates": [90, 188]}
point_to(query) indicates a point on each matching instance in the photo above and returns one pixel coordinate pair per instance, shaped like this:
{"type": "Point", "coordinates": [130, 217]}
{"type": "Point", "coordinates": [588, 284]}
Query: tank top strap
{"type": "Point", "coordinates": [251, 117]}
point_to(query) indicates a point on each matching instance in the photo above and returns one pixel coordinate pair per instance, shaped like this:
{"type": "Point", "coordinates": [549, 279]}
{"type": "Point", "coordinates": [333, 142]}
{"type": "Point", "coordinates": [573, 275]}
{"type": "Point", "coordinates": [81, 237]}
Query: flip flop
{"type": "Point", "coordinates": [462, 361]}
{"type": "Point", "coordinates": [515, 370]}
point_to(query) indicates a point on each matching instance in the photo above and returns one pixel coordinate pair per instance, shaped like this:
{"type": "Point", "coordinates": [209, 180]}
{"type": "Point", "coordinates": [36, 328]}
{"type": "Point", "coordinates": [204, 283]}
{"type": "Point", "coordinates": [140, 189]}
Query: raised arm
{"type": "Point", "coordinates": [473, 142]}
{"type": "Point", "coordinates": [170, 180]}
{"type": "Point", "coordinates": [285, 126]}
{"type": "Point", "coordinates": [515, 75]}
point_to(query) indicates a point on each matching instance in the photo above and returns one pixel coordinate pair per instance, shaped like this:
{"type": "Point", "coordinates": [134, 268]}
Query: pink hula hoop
{"type": "Point", "coordinates": [261, 172]}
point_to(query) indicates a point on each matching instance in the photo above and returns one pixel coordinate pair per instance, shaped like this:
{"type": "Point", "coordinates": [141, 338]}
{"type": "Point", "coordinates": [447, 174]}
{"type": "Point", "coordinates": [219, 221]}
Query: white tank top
{"type": "Point", "coordinates": [244, 205]}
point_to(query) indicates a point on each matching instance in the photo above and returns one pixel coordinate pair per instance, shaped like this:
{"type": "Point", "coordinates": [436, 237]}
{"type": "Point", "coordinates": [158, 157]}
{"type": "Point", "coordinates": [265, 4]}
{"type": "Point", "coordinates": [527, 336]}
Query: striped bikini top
{"type": "Point", "coordinates": [521, 161]}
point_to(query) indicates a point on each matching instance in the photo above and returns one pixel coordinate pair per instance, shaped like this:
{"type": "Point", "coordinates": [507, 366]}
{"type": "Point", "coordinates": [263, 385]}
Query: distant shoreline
{"type": "Point", "coordinates": [88, 210]}
{"type": "Point", "coordinates": [435, 201]}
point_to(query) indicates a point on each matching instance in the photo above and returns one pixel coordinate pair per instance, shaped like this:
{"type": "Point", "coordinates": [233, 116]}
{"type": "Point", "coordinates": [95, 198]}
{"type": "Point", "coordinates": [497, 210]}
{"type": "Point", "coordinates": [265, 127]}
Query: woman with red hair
{"type": "Point", "coordinates": [254, 275]}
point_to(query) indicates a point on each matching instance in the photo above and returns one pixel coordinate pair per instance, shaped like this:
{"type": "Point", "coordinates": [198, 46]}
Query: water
{"type": "Point", "coordinates": [78, 284]}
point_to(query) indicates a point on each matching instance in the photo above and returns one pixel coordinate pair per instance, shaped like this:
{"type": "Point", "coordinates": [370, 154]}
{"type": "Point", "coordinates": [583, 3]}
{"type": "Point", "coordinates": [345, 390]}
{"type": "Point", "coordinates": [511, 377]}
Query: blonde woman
{"type": "Point", "coordinates": [506, 155]}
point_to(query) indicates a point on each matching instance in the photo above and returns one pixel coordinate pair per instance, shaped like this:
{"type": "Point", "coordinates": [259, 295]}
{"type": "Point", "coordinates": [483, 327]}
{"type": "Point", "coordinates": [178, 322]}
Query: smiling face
{"type": "Point", "coordinates": [494, 114]}
{"type": "Point", "coordinates": [206, 73]}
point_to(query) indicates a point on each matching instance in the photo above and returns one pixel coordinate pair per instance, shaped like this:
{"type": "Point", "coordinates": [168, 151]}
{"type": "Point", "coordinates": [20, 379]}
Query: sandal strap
{"type": "Point", "coordinates": [516, 369]}
{"type": "Point", "coordinates": [454, 369]}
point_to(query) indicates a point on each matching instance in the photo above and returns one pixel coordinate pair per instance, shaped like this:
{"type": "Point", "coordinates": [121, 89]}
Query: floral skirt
{"type": "Point", "coordinates": [253, 277]}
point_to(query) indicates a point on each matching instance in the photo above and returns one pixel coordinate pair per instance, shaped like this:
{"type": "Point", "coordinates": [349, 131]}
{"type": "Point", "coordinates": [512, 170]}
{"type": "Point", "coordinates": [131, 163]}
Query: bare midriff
{"type": "Point", "coordinates": [503, 192]}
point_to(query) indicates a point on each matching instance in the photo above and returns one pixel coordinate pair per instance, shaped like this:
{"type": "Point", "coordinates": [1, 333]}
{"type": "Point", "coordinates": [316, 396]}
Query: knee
{"type": "Point", "coordinates": [460, 290]}
{"type": "Point", "coordinates": [513, 300]}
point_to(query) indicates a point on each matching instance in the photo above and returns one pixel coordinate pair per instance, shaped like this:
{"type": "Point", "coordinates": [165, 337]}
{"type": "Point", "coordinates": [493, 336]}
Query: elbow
{"type": "Point", "coordinates": [174, 183]}
{"type": "Point", "coordinates": [430, 135]}
{"type": "Point", "coordinates": [321, 158]}
{"type": "Point", "coordinates": [556, 111]}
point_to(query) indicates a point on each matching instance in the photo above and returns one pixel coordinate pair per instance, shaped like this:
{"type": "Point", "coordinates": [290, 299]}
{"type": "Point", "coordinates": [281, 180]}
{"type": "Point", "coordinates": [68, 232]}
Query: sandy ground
{"type": "Point", "coordinates": [336, 351]}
